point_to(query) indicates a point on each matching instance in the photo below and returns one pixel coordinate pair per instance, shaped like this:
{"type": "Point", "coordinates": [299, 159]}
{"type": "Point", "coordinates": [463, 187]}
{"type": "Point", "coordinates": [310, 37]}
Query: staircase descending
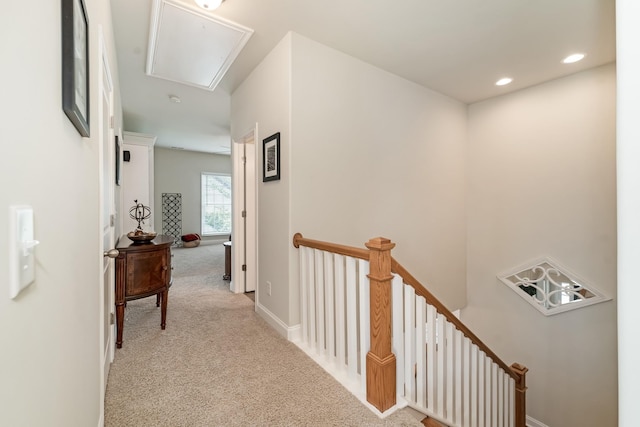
{"type": "Point", "coordinates": [378, 331]}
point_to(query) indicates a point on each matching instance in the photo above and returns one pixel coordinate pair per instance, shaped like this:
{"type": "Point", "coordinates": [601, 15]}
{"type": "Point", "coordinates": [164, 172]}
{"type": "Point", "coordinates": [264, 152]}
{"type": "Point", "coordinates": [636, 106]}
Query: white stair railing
{"type": "Point", "coordinates": [442, 373]}
{"type": "Point", "coordinates": [334, 294]}
{"type": "Point", "coordinates": [441, 368]}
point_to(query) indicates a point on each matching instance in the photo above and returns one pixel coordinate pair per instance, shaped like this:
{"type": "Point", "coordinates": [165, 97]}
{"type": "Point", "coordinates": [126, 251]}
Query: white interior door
{"type": "Point", "coordinates": [107, 217]}
{"type": "Point", "coordinates": [250, 217]}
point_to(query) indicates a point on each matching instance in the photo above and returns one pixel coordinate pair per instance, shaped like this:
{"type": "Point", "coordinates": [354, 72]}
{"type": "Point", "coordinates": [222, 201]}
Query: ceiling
{"type": "Point", "coordinates": [457, 47]}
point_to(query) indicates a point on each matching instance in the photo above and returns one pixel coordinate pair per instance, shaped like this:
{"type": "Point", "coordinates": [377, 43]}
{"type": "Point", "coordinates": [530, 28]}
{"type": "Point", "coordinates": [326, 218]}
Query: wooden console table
{"type": "Point", "coordinates": [142, 270]}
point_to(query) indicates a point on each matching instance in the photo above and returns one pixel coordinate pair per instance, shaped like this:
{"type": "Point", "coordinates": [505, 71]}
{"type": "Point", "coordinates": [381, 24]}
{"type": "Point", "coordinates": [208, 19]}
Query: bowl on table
{"type": "Point", "coordinates": [141, 237]}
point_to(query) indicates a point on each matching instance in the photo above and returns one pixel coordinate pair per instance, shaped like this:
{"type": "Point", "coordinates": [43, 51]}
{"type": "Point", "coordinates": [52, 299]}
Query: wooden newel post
{"type": "Point", "coordinates": [521, 394]}
{"type": "Point", "coordinates": [381, 362]}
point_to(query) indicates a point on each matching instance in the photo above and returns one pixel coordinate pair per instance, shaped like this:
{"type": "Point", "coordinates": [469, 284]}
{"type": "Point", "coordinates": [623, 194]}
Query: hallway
{"type": "Point", "coordinates": [218, 363]}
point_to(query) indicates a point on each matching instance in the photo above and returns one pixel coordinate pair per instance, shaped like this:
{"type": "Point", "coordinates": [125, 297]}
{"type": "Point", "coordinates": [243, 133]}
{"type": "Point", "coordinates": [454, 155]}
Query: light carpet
{"type": "Point", "coordinates": [218, 363]}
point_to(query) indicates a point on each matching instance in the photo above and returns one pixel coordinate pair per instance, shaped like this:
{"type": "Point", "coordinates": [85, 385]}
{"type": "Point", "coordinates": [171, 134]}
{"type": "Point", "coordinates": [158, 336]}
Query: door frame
{"type": "Point", "coordinates": [106, 171]}
{"type": "Point", "coordinates": [244, 196]}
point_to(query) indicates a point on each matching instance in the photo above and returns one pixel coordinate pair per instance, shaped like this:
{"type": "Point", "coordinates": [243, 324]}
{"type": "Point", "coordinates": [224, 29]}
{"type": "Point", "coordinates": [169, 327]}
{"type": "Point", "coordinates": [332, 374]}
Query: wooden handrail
{"type": "Point", "coordinates": [298, 241]}
{"type": "Point", "coordinates": [398, 269]}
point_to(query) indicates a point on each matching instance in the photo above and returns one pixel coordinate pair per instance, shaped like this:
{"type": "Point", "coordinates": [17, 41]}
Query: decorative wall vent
{"type": "Point", "coordinates": [550, 287]}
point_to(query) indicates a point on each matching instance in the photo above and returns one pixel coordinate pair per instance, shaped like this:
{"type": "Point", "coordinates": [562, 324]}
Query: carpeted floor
{"type": "Point", "coordinates": [219, 364]}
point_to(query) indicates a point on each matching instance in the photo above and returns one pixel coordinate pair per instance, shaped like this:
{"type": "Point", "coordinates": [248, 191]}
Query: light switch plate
{"type": "Point", "coordinates": [21, 249]}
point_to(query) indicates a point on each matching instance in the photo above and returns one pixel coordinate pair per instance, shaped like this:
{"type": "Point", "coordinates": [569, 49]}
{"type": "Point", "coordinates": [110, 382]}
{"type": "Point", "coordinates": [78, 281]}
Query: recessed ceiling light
{"type": "Point", "coordinates": [209, 4]}
{"type": "Point", "coordinates": [175, 98]}
{"type": "Point", "coordinates": [504, 81]}
{"type": "Point", "coordinates": [573, 58]}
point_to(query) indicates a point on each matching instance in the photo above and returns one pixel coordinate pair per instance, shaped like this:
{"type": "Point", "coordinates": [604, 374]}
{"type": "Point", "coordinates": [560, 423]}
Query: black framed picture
{"type": "Point", "coordinates": [117, 161]}
{"type": "Point", "coordinates": [271, 158]}
{"type": "Point", "coordinates": [75, 64]}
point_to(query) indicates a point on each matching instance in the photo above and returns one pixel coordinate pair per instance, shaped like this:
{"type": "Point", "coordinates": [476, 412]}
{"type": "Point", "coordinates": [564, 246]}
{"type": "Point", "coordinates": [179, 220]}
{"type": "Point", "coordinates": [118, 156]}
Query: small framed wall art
{"type": "Point", "coordinates": [271, 158]}
{"type": "Point", "coordinates": [75, 64]}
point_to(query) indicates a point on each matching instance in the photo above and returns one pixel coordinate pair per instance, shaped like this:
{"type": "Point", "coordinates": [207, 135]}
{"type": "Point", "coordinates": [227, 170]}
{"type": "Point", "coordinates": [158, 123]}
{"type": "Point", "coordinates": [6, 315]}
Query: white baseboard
{"type": "Point", "coordinates": [288, 332]}
{"type": "Point", "coordinates": [295, 333]}
{"type": "Point", "coordinates": [532, 422]}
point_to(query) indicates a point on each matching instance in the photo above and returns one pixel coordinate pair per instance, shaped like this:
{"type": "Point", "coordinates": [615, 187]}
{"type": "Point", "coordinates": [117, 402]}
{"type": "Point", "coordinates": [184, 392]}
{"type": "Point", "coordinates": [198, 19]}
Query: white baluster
{"type": "Point", "coordinates": [320, 347]}
{"type": "Point", "coordinates": [497, 393]}
{"type": "Point", "coordinates": [488, 392]}
{"type": "Point", "coordinates": [458, 375]}
{"type": "Point", "coordinates": [508, 404]}
{"type": "Point", "coordinates": [397, 323]}
{"type": "Point", "coordinates": [501, 399]}
{"type": "Point", "coordinates": [364, 321]}
{"type": "Point", "coordinates": [341, 326]}
{"type": "Point", "coordinates": [482, 396]}
{"type": "Point", "coordinates": [512, 402]}
{"type": "Point", "coordinates": [304, 284]}
{"type": "Point", "coordinates": [440, 408]}
{"type": "Point", "coordinates": [421, 353]}
{"type": "Point", "coordinates": [312, 300]}
{"type": "Point", "coordinates": [449, 367]}
{"type": "Point", "coordinates": [431, 360]}
{"type": "Point", "coordinates": [352, 327]}
{"type": "Point", "coordinates": [466, 390]}
{"type": "Point", "coordinates": [475, 390]}
{"type": "Point", "coordinates": [409, 343]}
{"type": "Point", "coordinates": [330, 306]}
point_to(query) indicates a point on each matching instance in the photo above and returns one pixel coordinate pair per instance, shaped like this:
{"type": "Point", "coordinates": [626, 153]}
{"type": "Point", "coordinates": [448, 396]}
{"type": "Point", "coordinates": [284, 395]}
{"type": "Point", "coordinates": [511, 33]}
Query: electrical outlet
{"type": "Point", "coordinates": [268, 288]}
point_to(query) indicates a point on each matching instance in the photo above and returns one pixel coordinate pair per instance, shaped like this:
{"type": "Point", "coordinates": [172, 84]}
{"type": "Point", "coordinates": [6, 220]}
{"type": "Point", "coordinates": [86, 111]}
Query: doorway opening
{"type": "Point", "coordinates": [244, 257]}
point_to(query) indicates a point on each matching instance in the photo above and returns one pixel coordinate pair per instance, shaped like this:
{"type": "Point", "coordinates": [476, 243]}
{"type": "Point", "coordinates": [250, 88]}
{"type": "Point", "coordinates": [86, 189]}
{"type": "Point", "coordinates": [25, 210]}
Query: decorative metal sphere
{"type": "Point", "coordinates": [139, 212]}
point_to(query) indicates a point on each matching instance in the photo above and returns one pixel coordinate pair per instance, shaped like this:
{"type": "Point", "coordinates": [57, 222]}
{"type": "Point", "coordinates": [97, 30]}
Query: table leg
{"type": "Point", "coordinates": [163, 316]}
{"type": "Point", "coordinates": [119, 324]}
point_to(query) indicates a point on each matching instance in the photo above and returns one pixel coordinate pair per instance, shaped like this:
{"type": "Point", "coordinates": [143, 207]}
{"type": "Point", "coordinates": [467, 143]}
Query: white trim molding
{"type": "Point", "coordinates": [288, 332]}
{"type": "Point", "coordinates": [532, 422]}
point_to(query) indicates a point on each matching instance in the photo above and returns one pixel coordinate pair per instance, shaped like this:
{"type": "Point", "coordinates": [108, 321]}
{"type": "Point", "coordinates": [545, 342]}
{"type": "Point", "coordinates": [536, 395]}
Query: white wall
{"type": "Point", "coordinates": [264, 98]}
{"type": "Point", "coordinates": [376, 155]}
{"type": "Point", "coordinates": [628, 32]}
{"type": "Point", "coordinates": [50, 359]}
{"type": "Point", "coordinates": [137, 174]}
{"type": "Point", "coordinates": [178, 171]}
{"type": "Point", "coordinates": [349, 119]}
{"type": "Point", "coordinates": [541, 181]}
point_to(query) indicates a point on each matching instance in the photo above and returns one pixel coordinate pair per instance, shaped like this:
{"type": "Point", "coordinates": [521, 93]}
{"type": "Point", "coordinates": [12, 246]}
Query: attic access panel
{"type": "Point", "coordinates": [192, 47]}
